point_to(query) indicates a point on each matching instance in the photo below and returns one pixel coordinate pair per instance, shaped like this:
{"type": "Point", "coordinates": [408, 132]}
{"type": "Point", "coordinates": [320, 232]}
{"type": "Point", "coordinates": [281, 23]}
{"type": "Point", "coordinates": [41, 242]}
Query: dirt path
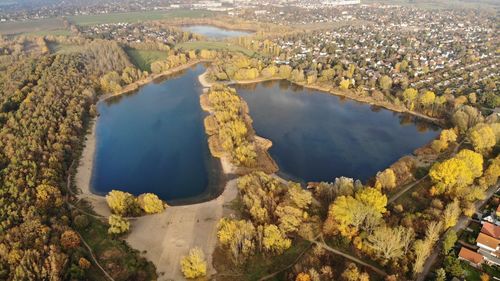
{"type": "Point", "coordinates": [350, 257]}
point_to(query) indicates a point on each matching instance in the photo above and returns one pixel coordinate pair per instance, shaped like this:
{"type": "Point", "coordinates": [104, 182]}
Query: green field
{"type": "Point", "coordinates": [211, 45]}
{"type": "Point", "coordinates": [31, 26]}
{"type": "Point", "coordinates": [143, 59]}
{"type": "Point", "coordinates": [137, 16]}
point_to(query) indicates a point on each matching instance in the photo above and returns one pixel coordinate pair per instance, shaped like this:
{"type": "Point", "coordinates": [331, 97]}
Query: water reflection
{"type": "Point", "coordinates": [317, 136]}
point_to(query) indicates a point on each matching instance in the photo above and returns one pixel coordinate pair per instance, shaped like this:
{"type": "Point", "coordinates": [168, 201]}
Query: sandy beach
{"type": "Point", "coordinates": [168, 236]}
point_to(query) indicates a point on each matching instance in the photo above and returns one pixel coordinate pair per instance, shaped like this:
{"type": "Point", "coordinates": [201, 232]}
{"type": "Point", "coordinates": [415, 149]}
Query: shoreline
{"type": "Point", "coordinates": [327, 90]}
{"type": "Point", "coordinates": [154, 235]}
{"type": "Point", "coordinates": [137, 84]}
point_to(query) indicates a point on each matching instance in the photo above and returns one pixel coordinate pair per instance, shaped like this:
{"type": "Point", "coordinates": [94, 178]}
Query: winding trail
{"type": "Point", "coordinates": [349, 256]}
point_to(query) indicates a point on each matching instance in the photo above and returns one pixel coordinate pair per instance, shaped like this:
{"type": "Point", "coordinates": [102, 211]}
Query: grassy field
{"type": "Point", "coordinates": [64, 48]}
{"type": "Point", "coordinates": [137, 16]}
{"type": "Point", "coordinates": [143, 59]}
{"type": "Point", "coordinates": [209, 45]}
{"type": "Point", "coordinates": [56, 32]}
{"type": "Point", "coordinates": [32, 26]}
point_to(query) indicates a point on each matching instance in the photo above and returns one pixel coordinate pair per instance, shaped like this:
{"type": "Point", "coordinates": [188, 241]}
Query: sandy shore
{"type": "Point", "coordinates": [84, 174]}
{"type": "Point", "coordinates": [168, 236]}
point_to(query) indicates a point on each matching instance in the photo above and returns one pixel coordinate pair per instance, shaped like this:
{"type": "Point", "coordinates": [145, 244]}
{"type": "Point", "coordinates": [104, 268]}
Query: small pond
{"type": "Point", "coordinates": [213, 32]}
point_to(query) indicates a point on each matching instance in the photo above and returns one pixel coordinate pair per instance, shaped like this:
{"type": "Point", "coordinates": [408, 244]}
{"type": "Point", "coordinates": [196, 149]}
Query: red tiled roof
{"type": "Point", "coordinates": [471, 256]}
{"type": "Point", "coordinates": [491, 230]}
{"type": "Point", "coordinates": [487, 240]}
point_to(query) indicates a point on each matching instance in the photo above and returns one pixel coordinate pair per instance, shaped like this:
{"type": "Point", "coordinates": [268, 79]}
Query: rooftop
{"type": "Point", "coordinates": [487, 240]}
{"type": "Point", "coordinates": [471, 256]}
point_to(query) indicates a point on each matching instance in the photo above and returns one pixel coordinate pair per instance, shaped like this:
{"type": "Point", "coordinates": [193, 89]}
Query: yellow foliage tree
{"type": "Point", "coordinates": [473, 160]}
{"type": "Point", "coordinates": [409, 96]}
{"type": "Point", "coordinates": [386, 179]}
{"type": "Point", "coordinates": [194, 265]}
{"type": "Point", "coordinates": [48, 196]}
{"type": "Point", "coordinates": [303, 277]}
{"type": "Point", "coordinates": [344, 84]}
{"type": "Point", "coordinates": [150, 203]}
{"type": "Point", "coordinates": [118, 225]}
{"type": "Point", "coordinates": [373, 198]}
{"type": "Point", "coordinates": [427, 98]}
{"type": "Point", "coordinates": [120, 202]}
{"type": "Point", "coordinates": [451, 175]}
{"type": "Point", "coordinates": [275, 240]}
{"type": "Point", "coordinates": [482, 138]}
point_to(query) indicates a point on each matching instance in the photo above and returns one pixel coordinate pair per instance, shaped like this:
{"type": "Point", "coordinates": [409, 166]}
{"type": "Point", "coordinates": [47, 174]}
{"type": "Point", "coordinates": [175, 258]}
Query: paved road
{"type": "Point", "coordinates": [461, 224]}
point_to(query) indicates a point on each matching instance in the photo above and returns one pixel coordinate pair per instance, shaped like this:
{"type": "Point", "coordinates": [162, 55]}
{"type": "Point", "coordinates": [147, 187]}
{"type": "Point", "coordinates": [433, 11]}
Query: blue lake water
{"type": "Point", "coordinates": [213, 32]}
{"type": "Point", "coordinates": [154, 141]}
{"type": "Point", "coordinates": [318, 137]}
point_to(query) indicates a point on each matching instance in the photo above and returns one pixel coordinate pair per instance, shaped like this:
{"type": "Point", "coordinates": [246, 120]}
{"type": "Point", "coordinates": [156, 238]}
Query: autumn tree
{"type": "Point", "coordinates": [451, 214]}
{"type": "Point", "coordinates": [70, 239]}
{"type": "Point", "coordinates": [390, 243]}
{"type": "Point", "coordinates": [150, 203]}
{"type": "Point", "coordinates": [451, 176]}
{"type": "Point", "coordinates": [450, 238]}
{"type": "Point", "coordinates": [385, 82]}
{"type": "Point", "coordinates": [440, 275]}
{"type": "Point", "coordinates": [194, 265]}
{"type": "Point", "coordinates": [274, 240]}
{"type": "Point", "coordinates": [482, 138]}
{"type": "Point", "coordinates": [118, 224]}
{"type": "Point", "coordinates": [121, 203]}
{"type": "Point", "coordinates": [386, 179]}
{"type": "Point", "coordinates": [239, 236]}
{"type": "Point", "coordinates": [352, 273]}
{"type": "Point", "coordinates": [48, 196]}
{"type": "Point", "coordinates": [409, 97]}
{"type": "Point", "coordinates": [473, 161]}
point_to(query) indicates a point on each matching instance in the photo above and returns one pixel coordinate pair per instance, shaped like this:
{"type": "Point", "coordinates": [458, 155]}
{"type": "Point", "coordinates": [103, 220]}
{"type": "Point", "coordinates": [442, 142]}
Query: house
{"type": "Point", "coordinates": [472, 257]}
{"type": "Point", "coordinates": [488, 244]}
{"type": "Point", "coordinates": [491, 230]}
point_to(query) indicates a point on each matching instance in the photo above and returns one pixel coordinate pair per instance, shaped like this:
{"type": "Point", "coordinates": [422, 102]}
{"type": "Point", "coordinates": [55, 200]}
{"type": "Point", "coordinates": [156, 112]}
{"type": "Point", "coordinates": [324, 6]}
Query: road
{"type": "Point", "coordinates": [461, 224]}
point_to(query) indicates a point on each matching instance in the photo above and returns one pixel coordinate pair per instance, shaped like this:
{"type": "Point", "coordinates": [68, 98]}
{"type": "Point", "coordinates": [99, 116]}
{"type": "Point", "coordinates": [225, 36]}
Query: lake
{"type": "Point", "coordinates": [318, 137]}
{"type": "Point", "coordinates": [213, 32]}
{"type": "Point", "coordinates": [153, 140]}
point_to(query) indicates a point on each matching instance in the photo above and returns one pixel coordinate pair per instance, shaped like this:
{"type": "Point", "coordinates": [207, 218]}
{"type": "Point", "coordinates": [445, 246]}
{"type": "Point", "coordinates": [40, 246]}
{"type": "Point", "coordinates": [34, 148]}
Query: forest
{"type": "Point", "coordinates": [340, 230]}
